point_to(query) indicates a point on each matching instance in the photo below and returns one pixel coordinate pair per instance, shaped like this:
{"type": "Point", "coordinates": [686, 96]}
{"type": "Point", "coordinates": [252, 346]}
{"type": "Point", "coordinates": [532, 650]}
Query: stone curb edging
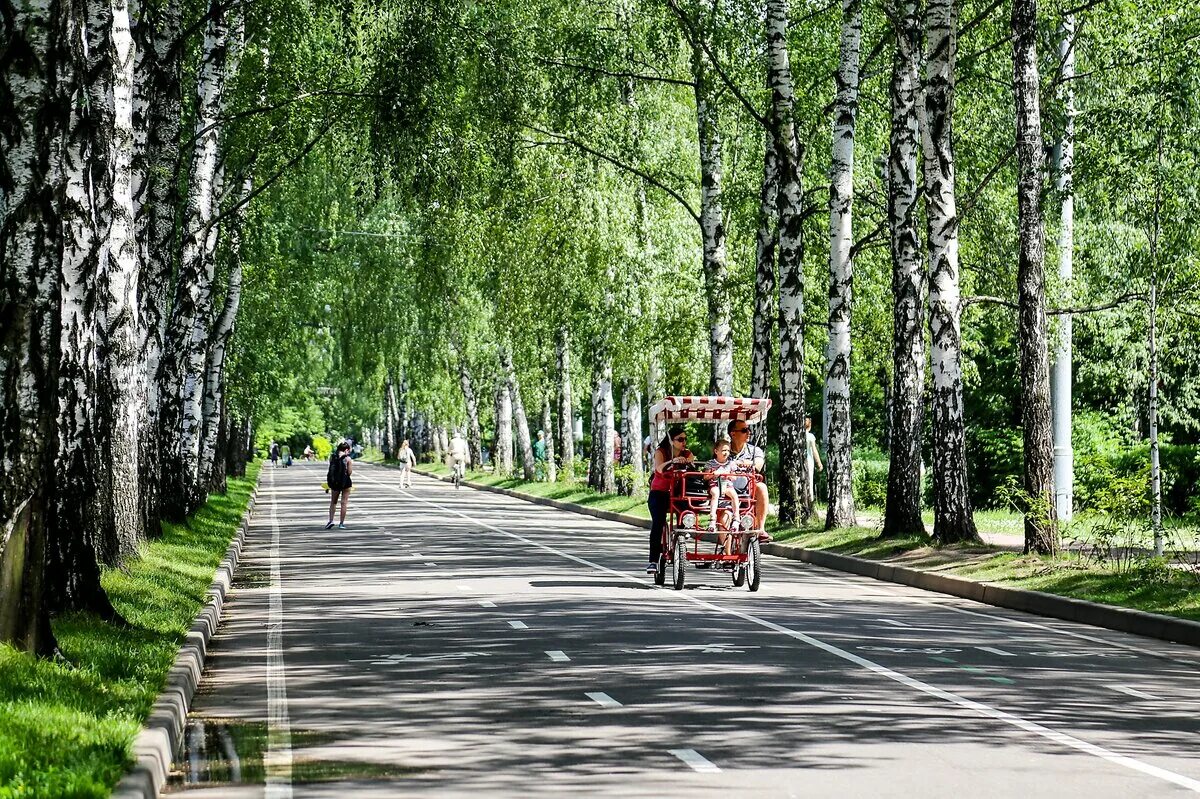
{"type": "Point", "coordinates": [162, 732]}
{"type": "Point", "coordinates": [1127, 620]}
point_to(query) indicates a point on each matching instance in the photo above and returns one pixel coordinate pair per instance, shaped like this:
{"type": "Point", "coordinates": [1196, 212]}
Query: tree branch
{"type": "Point", "coordinates": [1083, 309]}
{"type": "Point", "coordinates": [609, 73]}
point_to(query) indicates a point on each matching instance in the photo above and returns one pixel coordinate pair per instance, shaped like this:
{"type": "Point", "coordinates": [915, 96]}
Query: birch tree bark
{"type": "Point", "coordinates": [566, 413]}
{"type": "Point", "coordinates": [156, 120]}
{"type": "Point", "coordinates": [1041, 528]}
{"type": "Point", "coordinates": [902, 513]}
{"type": "Point", "coordinates": [765, 284]}
{"type": "Point", "coordinates": [839, 469]}
{"type": "Point", "coordinates": [474, 436]}
{"type": "Point", "coordinates": [548, 428]}
{"type": "Point", "coordinates": [390, 445]}
{"type": "Point", "coordinates": [600, 469]}
{"type": "Point", "coordinates": [28, 306]}
{"type": "Point", "coordinates": [502, 456]}
{"type": "Point", "coordinates": [712, 230]}
{"type": "Point", "coordinates": [794, 501]}
{"type": "Point", "coordinates": [179, 411]}
{"type": "Point", "coordinates": [631, 436]}
{"type": "Point", "coordinates": [1061, 386]}
{"type": "Point", "coordinates": [954, 518]}
{"type": "Point", "coordinates": [524, 443]}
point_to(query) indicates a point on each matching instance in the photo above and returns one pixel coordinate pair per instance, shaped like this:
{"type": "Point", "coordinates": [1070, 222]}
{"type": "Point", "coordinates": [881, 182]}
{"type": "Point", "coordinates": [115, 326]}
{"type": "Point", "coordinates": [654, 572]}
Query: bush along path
{"type": "Point", "coordinates": [67, 726]}
{"type": "Point", "coordinates": [1109, 579]}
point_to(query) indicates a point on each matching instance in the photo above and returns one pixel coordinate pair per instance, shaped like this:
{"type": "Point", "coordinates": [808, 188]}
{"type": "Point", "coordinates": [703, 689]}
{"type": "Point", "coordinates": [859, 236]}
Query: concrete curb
{"type": "Point", "coordinates": [162, 733]}
{"type": "Point", "coordinates": [1137, 622]}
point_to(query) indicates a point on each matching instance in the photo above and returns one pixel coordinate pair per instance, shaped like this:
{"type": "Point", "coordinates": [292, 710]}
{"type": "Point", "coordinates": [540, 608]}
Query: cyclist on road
{"type": "Point", "coordinates": [458, 456]}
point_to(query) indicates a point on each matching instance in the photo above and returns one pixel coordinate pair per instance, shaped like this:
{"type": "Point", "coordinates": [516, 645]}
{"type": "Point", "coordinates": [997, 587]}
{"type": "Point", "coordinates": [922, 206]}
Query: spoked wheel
{"type": "Point", "coordinates": [739, 575]}
{"type": "Point", "coordinates": [752, 573]}
{"type": "Point", "coordinates": [679, 567]}
{"type": "Point", "coordinates": [660, 573]}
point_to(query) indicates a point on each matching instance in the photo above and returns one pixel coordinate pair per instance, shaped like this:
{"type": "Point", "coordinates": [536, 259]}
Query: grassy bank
{"type": "Point", "coordinates": [66, 728]}
{"type": "Point", "coordinates": [1134, 582]}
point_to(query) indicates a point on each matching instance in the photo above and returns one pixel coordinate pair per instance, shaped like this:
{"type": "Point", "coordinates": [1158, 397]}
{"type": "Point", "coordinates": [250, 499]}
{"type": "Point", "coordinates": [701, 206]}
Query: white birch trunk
{"type": "Point", "coordinates": [600, 471]}
{"type": "Point", "coordinates": [1061, 385]}
{"type": "Point", "coordinates": [1041, 529]}
{"type": "Point", "coordinates": [631, 436]}
{"type": "Point", "coordinates": [474, 436]}
{"type": "Point", "coordinates": [502, 456]}
{"type": "Point", "coordinates": [836, 420]}
{"type": "Point", "coordinates": [1152, 413]}
{"type": "Point", "coordinates": [566, 413]}
{"type": "Point", "coordinates": [954, 519]}
{"type": "Point", "coordinates": [794, 501]}
{"type": "Point", "coordinates": [390, 444]}
{"type": "Point", "coordinates": [765, 284]}
{"type": "Point", "coordinates": [712, 231]}
{"type": "Point", "coordinates": [524, 442]}
{"type": "Point", "coordinates": [548, 429]}
{"type": "Point", "coordinates": [902, 514]}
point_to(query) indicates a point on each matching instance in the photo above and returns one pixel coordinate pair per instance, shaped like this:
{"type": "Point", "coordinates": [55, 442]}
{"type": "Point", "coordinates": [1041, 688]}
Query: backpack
{"type": "Point", "coordinates": [336, 476]}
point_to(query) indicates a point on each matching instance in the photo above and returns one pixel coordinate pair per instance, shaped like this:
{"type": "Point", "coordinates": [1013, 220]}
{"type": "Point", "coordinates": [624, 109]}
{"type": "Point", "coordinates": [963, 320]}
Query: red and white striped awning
{"type": "Point", "coordinates": [710, 409]}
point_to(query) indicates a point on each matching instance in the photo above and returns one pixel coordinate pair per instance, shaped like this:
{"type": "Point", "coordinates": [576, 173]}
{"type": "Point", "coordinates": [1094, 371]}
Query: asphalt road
{"type": "Point", "coordinates": [461, 643]}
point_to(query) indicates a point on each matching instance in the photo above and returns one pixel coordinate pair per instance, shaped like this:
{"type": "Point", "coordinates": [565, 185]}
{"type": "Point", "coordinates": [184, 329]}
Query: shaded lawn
{"type": "Point", "coordinates": [577, 493]}
{"type": "Point", "coordinates": [66, 727]}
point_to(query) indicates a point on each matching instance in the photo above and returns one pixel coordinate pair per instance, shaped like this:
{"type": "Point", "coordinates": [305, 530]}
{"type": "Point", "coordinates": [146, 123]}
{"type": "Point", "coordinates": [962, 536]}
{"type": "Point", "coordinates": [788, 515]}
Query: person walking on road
{"type": "Point", "coordinates": [341, 466]}
{"type": "Point", "coordinates": [407, 460]}
{"type": "Point", "coordinates": [671, 452]}
{"type": "Point", "coordinates": [273, 454]}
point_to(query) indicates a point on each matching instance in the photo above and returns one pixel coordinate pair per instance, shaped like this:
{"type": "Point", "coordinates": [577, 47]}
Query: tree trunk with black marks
{"type": "Point", "coordinates": [29, 308]}
{"type": "Point", "coordinates": [524, 442]}
{"type": "Point", "coordinates": [902, 513]}
{"type": "Point", "coordinates": [766, 286]}
{"type": "Point", "coordinates": [503, 454]}
{"type": "Point", "coordinates": [600, 468]}
{"type": "Point", "coordinates": [1061, 386]}
{"type": "Point", "coordinates": [548, 428]}
{"type": "Point", "coordinates": [631, 437]}
{"type": "Point", "coordinates": [1041, 526]}
{"type": "Point", "coordinates": [474, 436]}
{"type": "Point", "coordinates": [794, 501]}
{"type": "Point", "coordinates": [566, 407]}
{"type": "Point", "coordinates": [953, 513]}
{"type": "Point", "coordinates": [836, 420]}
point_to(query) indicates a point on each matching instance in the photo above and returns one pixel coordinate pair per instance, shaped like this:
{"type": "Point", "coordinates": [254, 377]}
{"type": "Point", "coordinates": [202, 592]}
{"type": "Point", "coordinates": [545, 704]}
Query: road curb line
{"type": "Point", "coordinates": [1094, 614]}
{"type": "Point", "coordinates": [162, 733]}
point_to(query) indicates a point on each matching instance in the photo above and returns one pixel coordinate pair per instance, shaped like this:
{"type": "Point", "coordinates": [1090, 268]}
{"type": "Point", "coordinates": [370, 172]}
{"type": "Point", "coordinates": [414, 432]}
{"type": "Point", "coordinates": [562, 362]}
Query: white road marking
{"type": "Point", "coordinates": [460, 587]}
{"type": "Point", "coordinates": [417, 555]}
{"type": "Point", "coordinates": [697, 761]}
{"type": "Point", "coordinates": [1125, 689]}
{"type": "Point", "coordinates": [430, 564]}
{"type": "Point", "coordinates": [602, 699]}
{"type": "Point", "coordinates": [557, 655]}
{"type": "Point", "coordinates": [518, 625]}
{"type": "Point", "coordinates": [819, 602]}
{"type": "Point", "coordinates": [487, 603]}
{"type": "Point", "coordinates": [969, 704]}
{"type": "Point", "coordinates": [893, 622]}
{"type": "Point", "coordinates": [995, 651]}
{"type": "Point", "coordinates": [277, 762]}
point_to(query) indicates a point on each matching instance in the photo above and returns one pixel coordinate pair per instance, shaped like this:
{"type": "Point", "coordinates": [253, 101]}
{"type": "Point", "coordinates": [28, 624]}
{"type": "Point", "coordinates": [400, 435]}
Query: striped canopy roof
{"type": "Point", "coordinates": [710, 409]}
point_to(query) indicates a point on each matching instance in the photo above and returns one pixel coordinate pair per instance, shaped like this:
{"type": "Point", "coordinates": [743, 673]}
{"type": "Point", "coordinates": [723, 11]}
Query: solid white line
{"type": "Point", "coordinates": [557, 655]}
{"type": "Point", "coordinates": [697, 761]}
{"type": "Point", "coordinates": [487, 603]}
{"type": "Point", "coordinates": [602, 699]}
{"type": "Point", "coordinates": [518, 625]}
{"type": "Point", "coordinates": [1133, 692]}
{"type": "Point", "coordinates": [893, 622]}
{"type": "Point", "coordinates": [277, 762]}
{"type": "Point", "coordinates": [996, 651]}
{"type": "Point", "coordinates": [969, 704]}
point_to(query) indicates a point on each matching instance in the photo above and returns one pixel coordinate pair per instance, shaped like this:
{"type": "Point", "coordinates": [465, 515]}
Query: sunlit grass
{"type": "Point", "coordinates": [577, 493]}
{"type": "Point", "coordinates": [66, 728]}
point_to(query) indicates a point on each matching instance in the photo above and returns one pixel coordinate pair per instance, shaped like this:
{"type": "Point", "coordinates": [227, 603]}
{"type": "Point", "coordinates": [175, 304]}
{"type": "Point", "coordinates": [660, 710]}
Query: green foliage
{"type": "Point", "coordinates": [66, 728]}
{"type": "Point", "coordinates": [323, 447]}
{"type": "Point", "coordinates": [870, 479]}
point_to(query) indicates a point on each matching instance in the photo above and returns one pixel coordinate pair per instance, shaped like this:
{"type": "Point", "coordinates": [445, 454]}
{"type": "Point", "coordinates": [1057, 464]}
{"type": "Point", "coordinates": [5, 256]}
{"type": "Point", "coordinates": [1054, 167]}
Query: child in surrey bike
{"type": "Point", "coordinates": [722, 469]}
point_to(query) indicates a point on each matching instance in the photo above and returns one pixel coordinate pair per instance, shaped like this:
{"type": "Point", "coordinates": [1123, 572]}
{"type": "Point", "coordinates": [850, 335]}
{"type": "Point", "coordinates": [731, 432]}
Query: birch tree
{"type": "Point", "coordinates": [502, 454]}
{"type": "Point", "coordinates": [794, 501]}
{"type": "Point", "coordinates": [902, 514]}
{"type": "Point", "coordinates": [766, 286]}
{"type": "Point", "coordinates": [524, 442]}
{"type": "Point", "coordinates": [1041, 529]}
{"type": "Point", "coordinates": [1064, 166]}
{"type": "Point", "coordinates": [841, 277]}
{"type": "Point", "coordinates": [474, 436]}
{"type": "Point", "coordinates": [954, 518]}
{"type": "Point", "coordinates": [548, 429]}
{"type": "Point", "coordinates": [566, 413]}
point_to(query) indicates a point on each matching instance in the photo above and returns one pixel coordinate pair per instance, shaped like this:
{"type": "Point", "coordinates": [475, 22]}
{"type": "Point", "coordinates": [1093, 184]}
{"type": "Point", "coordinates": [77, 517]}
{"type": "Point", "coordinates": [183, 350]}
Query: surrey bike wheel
{"type": "Point", "coordinates": [679, 566]}
{"type": "Point", "coordinates": [660, 570]}
{"type": "Point", "coordinates": [753, 572]}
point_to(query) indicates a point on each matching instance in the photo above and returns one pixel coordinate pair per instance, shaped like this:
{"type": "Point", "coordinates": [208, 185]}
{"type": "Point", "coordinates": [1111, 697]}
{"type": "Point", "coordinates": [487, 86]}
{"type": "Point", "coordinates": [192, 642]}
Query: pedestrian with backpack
{"type": "Point", "coordinates": [338, 479]}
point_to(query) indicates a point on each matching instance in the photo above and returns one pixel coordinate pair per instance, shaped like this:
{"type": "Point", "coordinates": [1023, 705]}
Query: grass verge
{"type": "Point", "coordinates": [66, 728]}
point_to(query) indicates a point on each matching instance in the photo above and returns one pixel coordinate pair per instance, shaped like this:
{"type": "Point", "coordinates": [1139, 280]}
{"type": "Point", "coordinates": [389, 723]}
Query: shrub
{"type": "Point", "coordinates": [323, 447]}
{"type": "Point", "coordinates": [870, 479]}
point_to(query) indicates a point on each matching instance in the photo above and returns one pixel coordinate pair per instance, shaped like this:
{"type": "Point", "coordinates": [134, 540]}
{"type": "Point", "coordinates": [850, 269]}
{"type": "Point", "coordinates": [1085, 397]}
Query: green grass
{"type": "Point", "coordinates": [564, 492]}
{"type": "Point", "coordinates": [66, 728]}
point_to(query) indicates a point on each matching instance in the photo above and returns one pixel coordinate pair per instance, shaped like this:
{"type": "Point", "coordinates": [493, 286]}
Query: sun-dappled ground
{"type": "Point", "coordinates": [66, 726]}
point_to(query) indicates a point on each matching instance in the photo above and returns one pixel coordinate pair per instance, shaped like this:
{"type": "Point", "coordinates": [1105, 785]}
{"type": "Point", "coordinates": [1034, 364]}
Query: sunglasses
{"type": "Point", "coordinates": [680, 439]}
{"type": "Point", "coordinates": [739, 429]}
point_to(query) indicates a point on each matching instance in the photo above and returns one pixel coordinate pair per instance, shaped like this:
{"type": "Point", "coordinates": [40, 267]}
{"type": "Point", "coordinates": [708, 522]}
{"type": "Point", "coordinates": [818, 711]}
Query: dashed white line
{"type": "Point", "coordinates": [893, 622]}
{"type": "Point", "coordinates": [996, 651]}
{"type": "Point", "coordinates": [557, 655]}
{"type": "Point", "coordinates": [278, 758]}
{"type": "Point", "coordinates": [819, 602]}
{"type": "Point", "coordinates": [430, 564]}
{"type": "Point", "coordinates": [1125, 689]}
{"type": "Point", "coordinates": [602, 699]}
{"type": "Point", "coordinates": [697, 761]}
{"type": "Point", "coordinates": [518, 625]}
{"type": "Point", "coordinates": [486, 603]}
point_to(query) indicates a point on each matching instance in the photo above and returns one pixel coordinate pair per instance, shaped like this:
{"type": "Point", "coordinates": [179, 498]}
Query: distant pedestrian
{"type": "Point", "coordinates": [812, 453]}
{"type": "Point", "coordinates": [308, 453]}
{"type": "Point", "coordinates": [407, 460]}
{"type": "Point", "coordinates": [273, 453]}
{"type": "Point", "coordinates": [341, 466]}
{"type": "Point", "coordinates": [539, 447]}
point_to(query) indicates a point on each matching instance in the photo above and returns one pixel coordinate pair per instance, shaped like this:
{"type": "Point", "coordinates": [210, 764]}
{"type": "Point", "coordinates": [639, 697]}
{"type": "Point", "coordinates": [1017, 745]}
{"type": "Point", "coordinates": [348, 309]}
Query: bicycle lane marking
{"type": "Point", "coordinates": [968, 704]}
{"type": "Point", "coordinates": [278, 759]}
